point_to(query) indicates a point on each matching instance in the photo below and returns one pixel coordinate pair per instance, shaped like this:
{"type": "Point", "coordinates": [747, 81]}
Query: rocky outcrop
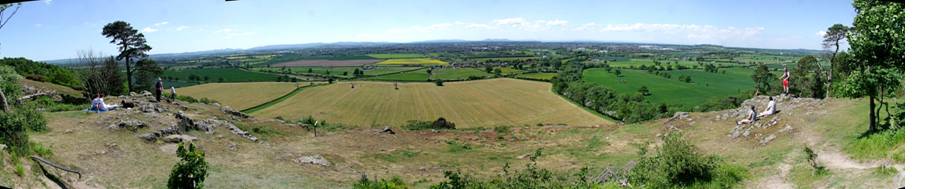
{"type": "Point", "coordinates": [178, 138]}
{"type": "Point", "coordinates": [153, 136]}
{"type": "Point", "coordinates": [314, 160]}
{"type": "Point", "coordinates": [130, 124]}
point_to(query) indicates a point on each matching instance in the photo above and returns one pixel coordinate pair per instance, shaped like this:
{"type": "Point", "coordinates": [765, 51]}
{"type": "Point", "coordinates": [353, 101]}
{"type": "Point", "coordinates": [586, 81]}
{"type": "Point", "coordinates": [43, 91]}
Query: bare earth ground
{"type": "Point", "coordinates": [117, 159]}
{"type": "Point", "coordinates": [303, 63]}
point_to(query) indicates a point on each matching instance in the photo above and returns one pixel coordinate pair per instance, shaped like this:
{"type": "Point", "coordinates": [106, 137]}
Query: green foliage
{"type": "Point", "coordinates": [190, 99]}
{"type": "Point", "coordinates": [808, 78]}
{"type": "Point", "coordinates": [14, 126]}
{"type": "Point", "coordinates": [195, 76]}
{"type": "Point", "coordinates": [46, 103]}
{"type": "Point", "coordinates": [393, 183]}
{"type": "Point", "coordinates": [147, 71]}
{"type": "Point", "coordinates": [439, 82]}
{"type": "Point", "coordinates": [883, 144]}
{"type": "Point", "coordinates": [762, 78]}
{"type": "Point", "coordinates": [811, 157]}
{"type": "Point", "coordinates": [43, 72]}
{"type": "Point", "coordinates": [457, 146]}
{"type": "Point", "coordinates": [191, 170]}
{"type": "Point", "coordinates": [439, 123]}
{"type": "Point", "coordinates": [677, 164]}
{"type": "Point", "coordinates": [9, 82]}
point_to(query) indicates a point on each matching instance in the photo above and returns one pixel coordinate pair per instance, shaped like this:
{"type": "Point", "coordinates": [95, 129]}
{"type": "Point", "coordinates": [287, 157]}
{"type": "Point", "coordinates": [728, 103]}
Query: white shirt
{"type": "Point", "coordinates": [771, 107]}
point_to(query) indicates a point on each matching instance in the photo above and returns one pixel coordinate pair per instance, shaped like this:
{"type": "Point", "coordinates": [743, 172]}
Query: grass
{"type": "Point", "coordinates": [413, 61]}
{"type": "Point", "coordinates": [277, 100]}
{"type": "Point", "coordinates": [239, 95]}
{"type": "Point", "coordinates": [397, 56]}
{"type": "Point", "coordinates": [181, 77]}
{"type": "Point", "coordinates": [458, 73]}
{"type": "Point", "coordinates": [538, 76]}
{"type": "Point", "coordinates": [482, 103]}
{"type": "Point", "coordinates": [705, 87]}
{"type": "Point", "coordinates": [415, 75]}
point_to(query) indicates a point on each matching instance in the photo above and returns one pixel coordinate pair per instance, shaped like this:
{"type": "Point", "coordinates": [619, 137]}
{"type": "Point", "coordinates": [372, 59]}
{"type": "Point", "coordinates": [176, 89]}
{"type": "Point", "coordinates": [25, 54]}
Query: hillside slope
{"type": "Point", "coordinates": [111, 157]}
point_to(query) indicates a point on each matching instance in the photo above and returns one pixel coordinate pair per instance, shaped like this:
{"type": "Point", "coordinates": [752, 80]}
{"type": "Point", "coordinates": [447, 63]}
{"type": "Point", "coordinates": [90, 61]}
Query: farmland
{"type": "Point", "coordinates": [458, 73]}
{"type": "Point", "coordinates": [303, 63]}
{"type": "Point", "coordinates": [188, 77]}
{"type": "Point", "coordinates": [413, 61]}
{"type": "Point", "coordinates": [239, 95]}
{"type": "Point", "coordinates": [483, 103]}
{"type": "Point", "coordinates": [704, 88]}
{"type": "Point", "coordinates": [538, 76]}
{"type": "Point", "coordinates": [396, 56]}
{"type": "Point", "coordinates": [415, 75]}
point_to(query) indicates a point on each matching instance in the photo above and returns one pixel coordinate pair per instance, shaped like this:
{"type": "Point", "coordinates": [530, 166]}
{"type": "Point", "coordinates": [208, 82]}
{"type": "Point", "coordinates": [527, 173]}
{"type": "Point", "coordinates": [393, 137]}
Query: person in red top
{"type": "Point", "coordinates": [785, 85]}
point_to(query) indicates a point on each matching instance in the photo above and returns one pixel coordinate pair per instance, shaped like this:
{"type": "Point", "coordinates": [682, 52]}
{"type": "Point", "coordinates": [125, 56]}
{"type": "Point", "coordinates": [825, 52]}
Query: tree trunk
{"type": "Point", "coordinates": [3, 102]}
{"type": "Point", "coordinates": [128, 71]}
{"type": "Point", "coordinates": [872, 113]}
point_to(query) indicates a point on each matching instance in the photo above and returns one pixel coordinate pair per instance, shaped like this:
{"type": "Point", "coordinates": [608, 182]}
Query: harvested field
{"type": "Point", "coordinates": [482, 103]}
{"type": "Point", "coordinates": [239, 95]}
{"type": "Point", "coordinates": [302, 63]}
{"type": "Point", "coordinates": [413, 61]}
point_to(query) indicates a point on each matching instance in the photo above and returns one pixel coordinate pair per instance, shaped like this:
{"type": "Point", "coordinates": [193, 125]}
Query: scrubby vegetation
{"type": "Point", "coordinates": [192, 169]}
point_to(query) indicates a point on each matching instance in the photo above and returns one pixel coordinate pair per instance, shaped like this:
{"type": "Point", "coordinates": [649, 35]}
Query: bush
{"type": "Point", "coordinates": [393, 183]}
{"type": "Point", "coordinates": [13, 128]}
{"type": "Point", "coordinates": [677, 165]}
{"type": "Point", "coordinates": [439, 82]}
{"type": "Point", "coordinates": [440, 123]}
{"type": "Point", "coordinates": [191, 170]}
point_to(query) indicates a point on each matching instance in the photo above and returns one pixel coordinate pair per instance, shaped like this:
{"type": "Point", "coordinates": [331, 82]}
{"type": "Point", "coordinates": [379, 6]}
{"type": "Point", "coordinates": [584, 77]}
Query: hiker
{"type": "Point", "coordinates": [173, 93]}
{"type": "Point", "coordinates": [752, 117]}
{"type": "Point", "coordinates": [784, 81]}
{"type": "Point", "coordinates": [158, 89]}
{"type": "Point", "coordinates": [771, 109]}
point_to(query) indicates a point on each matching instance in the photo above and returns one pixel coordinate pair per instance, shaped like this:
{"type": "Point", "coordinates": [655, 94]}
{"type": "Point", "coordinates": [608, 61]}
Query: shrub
{"type": "Point", "coordinates": [393, 183]}
{"type": "Point", "coordinates": [440, 123]}
{"type": "Point", "coordinates": [677, 165]}
{"type": "Point", "coordinates": [191, 170]}
{"type": "Point", "coordinates": [13, 127]}
{"type": "Point", "coordinates": [439, 82]}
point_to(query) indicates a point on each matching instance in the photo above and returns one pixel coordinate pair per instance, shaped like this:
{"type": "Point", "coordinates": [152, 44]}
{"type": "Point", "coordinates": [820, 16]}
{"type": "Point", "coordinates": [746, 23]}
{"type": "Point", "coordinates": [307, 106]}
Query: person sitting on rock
{"type": "Point", "coordinates": [771, 109]}
{"type": "Point", "coordinates": [752, 117]}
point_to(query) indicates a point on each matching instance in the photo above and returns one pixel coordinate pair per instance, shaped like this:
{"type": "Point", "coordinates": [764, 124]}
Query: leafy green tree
{"type": "Point", "coordinates": [762, 78]}
{"type": "Point", "coordinates": [148, 72]}
{"type": "Point", "coordinates": [877, 43]}
{"type": "Point", "coordinates": [191, 170]}
{"type": "Point", "coordinates": [131, 44]}
{"type": "Point", "coordinates": [808, 78]}
{"type": "Point", "coordinates": [832, 38]}
{"type": "Point", "coordinates": [644, 91]}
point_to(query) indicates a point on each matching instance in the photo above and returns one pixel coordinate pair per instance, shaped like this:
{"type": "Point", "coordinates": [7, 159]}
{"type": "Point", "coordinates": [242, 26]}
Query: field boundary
{"type": "Point", "coordinates": [278, 100]}
{"type": "Point", "coordinates": [598, 114]}
{"type": "Point", "coordinates": [392, 73]}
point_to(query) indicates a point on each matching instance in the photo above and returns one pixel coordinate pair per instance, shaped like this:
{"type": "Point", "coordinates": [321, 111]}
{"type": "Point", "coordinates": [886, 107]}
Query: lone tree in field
{"type": "Point", "coordinates": [877, 43]}
{"type": "Point", "coordinates": [131, 44]}
{"type": "Point", "coordinates": [191, 170]}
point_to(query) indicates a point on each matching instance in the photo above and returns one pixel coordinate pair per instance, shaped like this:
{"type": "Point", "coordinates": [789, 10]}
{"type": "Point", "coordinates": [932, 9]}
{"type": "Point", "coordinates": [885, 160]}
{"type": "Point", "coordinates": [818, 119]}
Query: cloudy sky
{"type": "Point", "coordinates": [55, 29]}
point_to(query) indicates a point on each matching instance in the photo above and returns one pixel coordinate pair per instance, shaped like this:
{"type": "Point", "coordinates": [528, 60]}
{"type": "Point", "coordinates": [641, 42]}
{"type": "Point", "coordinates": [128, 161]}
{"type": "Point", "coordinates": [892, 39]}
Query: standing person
{"type": "Point", "coordinates": [158, 89]}
{"type": "Point", "coordinates": [173, 93]}
{"type": "Point", "coordinates": [784, 81]}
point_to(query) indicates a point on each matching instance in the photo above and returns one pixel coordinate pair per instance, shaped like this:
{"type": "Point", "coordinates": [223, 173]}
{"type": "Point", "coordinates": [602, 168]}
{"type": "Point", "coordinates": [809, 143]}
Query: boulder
{"type": "Point", "coordinates": [314, 160]}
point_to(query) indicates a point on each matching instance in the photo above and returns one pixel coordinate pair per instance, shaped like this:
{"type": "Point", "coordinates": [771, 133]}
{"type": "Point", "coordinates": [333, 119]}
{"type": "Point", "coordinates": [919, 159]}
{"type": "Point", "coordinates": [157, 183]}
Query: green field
{"type": "Point", "coordinates": [706, 87]}
{"type": "Point", "coordinates": [181, 78]}
{"type": "Point", "coordinates": [481, 103]}
{"type": "Point", "coordinates": [458, 73]}
{"type": "Point", "coordinates": [416, 75]}
{"type": "Point", "coordinates": [239, 95]}
{"type": "Point", "coordinates": [396, 56]}
{"type": "Point", "coordinates": [413, 61]}
{"type": "Point", "coordinates": [538, 76]}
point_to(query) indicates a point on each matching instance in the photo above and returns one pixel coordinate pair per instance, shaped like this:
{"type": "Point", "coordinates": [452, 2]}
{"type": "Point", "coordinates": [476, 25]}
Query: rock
{"type": "Point", "coordinates": [153, 136]}
{"type": "Point", "coordinates": [207, 125]}
{"type": "Point", "coordinates": [238, 131]}
{"type": "Point", "coordinates": [767, 139]}
{"type": "Point", "coordinates": [234, 113]}
{"type": "Point", "coordinates": [315, 160]}
{"type": "Point", "coordinates": [231, 146]}
{"type": "Point", "coordinates": [3, 147]}
{"type": "Point", "coordinates": [177, 138]}
{"type": "Point", "coordinates": [130, 124]}
{"type": "Point", "coordinates": [786, 129]}
{"type": "Point", "coordinates": [183, 121]}
{"type": "Point", "coordinates": [388, 130]}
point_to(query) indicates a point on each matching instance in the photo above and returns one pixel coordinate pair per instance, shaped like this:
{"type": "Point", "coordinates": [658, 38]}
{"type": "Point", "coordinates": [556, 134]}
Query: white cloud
{"type": "Point", "coordinates": [161, 23]}
{"type": "Point", "coordinates": [821, 33]}
{"type": "Point", "coordinates": [510, 21]}
{"type": "Point", "coordinates": [181, 28]}
{"type": "Point", "coordinates": [148, 30]}
{"type": "Point", "coordinates": [691, 31]}
{"type": "Point", "coordinates": [555, 22]}
{"type": "Point", "coordinates": [48, 2]}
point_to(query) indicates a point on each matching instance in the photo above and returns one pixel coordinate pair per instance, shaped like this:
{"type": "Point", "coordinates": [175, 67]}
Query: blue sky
{"type": "Point", "coordinates": [56, 29]}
